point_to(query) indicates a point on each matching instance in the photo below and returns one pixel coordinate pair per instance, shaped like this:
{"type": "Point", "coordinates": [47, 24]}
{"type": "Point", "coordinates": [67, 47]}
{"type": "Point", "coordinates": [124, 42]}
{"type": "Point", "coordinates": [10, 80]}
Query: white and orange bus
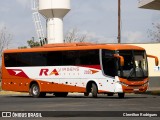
{"type": "Point", "coordinates": [76, 67]}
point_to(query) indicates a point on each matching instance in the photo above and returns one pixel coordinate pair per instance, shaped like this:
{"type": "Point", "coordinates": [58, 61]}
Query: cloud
{"type": "Point", "coordinates": [98, 18]}
{"type": "Point", "coordinates": [24, 3]}
{"type": "Point", "coordinates": [90, 36]}
{"type": "Point", "coordinates": [93, 37]}
{"type": "Point", "coordinates": [4, 9]}
{"type": "Point", "coordinates": [2, 24]}
{"type": "Point", "coordinates": [133, 37]}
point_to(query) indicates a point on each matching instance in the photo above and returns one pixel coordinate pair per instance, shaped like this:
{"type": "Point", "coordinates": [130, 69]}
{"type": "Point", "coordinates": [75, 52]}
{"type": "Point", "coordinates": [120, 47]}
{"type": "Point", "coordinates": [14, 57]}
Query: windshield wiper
{"type": "Point", "coordinates": [141, 70]}
{"type": "Point", "coordinates": [131, 73]}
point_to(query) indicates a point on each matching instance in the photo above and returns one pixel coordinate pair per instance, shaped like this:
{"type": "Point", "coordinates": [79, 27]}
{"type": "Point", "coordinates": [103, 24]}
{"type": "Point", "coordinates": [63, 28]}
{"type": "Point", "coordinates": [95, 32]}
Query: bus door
{"type": "Point", "coordinates": [109, 69]}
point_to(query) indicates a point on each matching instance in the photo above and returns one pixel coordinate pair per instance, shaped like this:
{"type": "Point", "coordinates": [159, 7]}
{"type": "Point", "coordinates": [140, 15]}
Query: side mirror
{"type": "Point", "coordinates": [156, 59]}
{"type": "Point", "coordinates": [121, 59]}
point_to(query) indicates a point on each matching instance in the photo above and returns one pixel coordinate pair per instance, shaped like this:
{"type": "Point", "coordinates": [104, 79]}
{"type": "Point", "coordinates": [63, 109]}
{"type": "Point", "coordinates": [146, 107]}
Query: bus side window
{"type": "Point", "coordinates": [10, 59]}
{"type": "Point", "coordinates": [54, 58]}
{"type": "Point", "coordinates": [84, 57]}
{"type": "Point", "coordinates": [24, 59]}
{"type": "Point", "coordinates": [90, 57]}
{"type": "Point", "coordinates": [70, 57]}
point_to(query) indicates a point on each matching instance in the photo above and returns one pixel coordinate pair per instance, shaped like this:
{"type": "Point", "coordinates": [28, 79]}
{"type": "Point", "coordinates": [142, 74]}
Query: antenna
{"type": "Point", "coordinates": [54, 11]}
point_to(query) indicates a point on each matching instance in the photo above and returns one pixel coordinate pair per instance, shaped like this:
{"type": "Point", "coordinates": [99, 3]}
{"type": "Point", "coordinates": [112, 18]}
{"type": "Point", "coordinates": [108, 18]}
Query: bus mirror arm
{"type": "Point", "coordinates": [121, 59]}
{"type": "Point", "coordinates": [156, 59]}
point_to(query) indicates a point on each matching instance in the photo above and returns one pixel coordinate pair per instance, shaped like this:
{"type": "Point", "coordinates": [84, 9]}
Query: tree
{"type": "Point", "coordinates": [5, 39]}
{"type": "Point", "coordinates": [31, 44]}
{"type": "Point", "coordinates": [154, 33]}
{"type": "Point", "coordinates": [75, 36]}
{"type": "Point", "coordinates": [72, 36]}
{"type": "Point", "coordinates": [22, 47]}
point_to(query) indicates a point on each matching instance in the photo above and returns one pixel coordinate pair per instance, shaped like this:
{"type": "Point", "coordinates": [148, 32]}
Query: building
{"type": "Point", "coordinates": [153, 49]}
{"type": "Point", "coordinates": [149, 4]}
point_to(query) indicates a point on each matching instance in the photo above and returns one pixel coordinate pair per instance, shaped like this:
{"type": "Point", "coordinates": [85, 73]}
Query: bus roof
{"type": "Point", "coordinates": [76, 46]}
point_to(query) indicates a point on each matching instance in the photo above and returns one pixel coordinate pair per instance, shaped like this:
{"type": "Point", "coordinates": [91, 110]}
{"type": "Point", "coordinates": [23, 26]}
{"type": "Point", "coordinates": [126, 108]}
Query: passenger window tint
{"type": "Point", "coordinates": [53, 58]}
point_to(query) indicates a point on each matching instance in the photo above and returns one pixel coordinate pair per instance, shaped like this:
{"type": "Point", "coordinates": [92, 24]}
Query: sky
{"type": "Point", "coordinates": [96, 18]}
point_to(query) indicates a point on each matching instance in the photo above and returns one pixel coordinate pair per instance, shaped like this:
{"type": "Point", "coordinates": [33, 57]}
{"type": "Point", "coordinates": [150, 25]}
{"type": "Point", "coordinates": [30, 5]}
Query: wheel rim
{"type": "Point", "coordinates": [35, 90]}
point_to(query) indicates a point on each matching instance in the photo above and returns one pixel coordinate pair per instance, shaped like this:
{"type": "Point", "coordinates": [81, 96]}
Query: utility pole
{"type": "Point", "coordinates": [119, 21]}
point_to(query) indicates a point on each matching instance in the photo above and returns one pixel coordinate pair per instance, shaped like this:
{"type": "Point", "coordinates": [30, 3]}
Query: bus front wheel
{"type": "Point", "coordinates": [121, 95]}
{"type": "Point", "coordinates": [94, 90]}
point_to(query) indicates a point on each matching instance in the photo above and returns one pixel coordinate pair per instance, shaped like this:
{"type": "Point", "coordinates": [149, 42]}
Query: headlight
{"type": "Point", "coordinates": [124, 84]}
{"type": "Point", "coordinates": [145, 84]}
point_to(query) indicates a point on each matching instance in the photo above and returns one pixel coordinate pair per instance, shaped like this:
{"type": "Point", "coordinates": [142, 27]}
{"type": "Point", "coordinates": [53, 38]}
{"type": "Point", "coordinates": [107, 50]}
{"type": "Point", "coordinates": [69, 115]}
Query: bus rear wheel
{"type": "Point", "coordinates": [94, 90]}
{"type": "Point", "coordinates": [110, 94]}
{"type": "Point", "coordinates": [121, 95]}
{"type": "Point", "coordinates": [61, 94]}
{"type": "Point", "coordinates": [35, 91]}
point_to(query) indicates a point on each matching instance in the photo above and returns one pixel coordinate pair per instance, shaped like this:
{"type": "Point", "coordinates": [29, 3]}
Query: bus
{"type": "Point", "coordinates": [76, 67]}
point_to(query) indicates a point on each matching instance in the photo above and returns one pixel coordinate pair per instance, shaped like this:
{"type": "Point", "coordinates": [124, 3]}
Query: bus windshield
{"type": "Point", "coordinates": [135, 65]}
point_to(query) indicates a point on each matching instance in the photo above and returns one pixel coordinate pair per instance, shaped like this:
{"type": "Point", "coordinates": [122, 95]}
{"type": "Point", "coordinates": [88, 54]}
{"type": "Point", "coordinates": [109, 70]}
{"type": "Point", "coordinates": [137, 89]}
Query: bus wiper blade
{"type": "Point", "coordinates": [131, 73]}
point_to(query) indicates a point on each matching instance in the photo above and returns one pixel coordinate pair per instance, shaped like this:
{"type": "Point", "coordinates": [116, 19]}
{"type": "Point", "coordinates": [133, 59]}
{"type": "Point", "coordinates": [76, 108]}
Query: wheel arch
{"type": "Point", "coordinates": [34, 82]}
{"type": "Point", "coordinates": [89, 85]}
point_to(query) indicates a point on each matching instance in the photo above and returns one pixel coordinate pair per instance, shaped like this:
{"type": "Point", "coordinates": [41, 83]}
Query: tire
{"type": "Point", "coordinates": [121, 95]}
{"type": "Point", "coordinates": [94, 90]}
{"type": "Point", "coordinates": [61, 94]}
{"type": "Point", "coordinates": [35, 91]}
{"type": "Point", "coordinates": [110, 94]}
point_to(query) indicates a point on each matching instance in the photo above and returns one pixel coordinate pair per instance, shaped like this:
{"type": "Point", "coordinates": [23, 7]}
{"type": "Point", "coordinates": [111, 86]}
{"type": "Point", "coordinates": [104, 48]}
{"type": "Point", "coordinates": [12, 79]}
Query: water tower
{"type": "Point", "coordinates": [54, 11]}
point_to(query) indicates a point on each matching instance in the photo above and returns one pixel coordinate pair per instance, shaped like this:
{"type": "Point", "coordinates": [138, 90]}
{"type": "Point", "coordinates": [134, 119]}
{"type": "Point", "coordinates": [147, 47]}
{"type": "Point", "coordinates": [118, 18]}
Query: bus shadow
{"type": "Point", "coordinates": [106, 97]}
{"type": "Point", "coordinates": [76, 97]}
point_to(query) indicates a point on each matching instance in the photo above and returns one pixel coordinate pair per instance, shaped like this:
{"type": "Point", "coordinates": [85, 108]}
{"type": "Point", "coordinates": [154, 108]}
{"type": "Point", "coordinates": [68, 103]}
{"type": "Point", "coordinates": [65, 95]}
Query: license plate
{"type": "Point", "coordinates": [136, 89]}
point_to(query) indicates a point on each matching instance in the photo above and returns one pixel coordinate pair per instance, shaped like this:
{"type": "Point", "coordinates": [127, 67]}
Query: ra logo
{"type": "Point", "coordinates": [45, 72]}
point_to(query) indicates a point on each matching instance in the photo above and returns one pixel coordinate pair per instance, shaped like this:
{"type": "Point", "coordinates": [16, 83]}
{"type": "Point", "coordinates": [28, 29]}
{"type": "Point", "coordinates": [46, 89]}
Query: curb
{"type": "Point", "coordinates": [11, 93]}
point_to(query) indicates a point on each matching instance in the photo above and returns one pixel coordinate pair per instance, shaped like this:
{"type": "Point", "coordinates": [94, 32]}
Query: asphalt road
{"type": "Point", "coordinates": [77, 102]}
